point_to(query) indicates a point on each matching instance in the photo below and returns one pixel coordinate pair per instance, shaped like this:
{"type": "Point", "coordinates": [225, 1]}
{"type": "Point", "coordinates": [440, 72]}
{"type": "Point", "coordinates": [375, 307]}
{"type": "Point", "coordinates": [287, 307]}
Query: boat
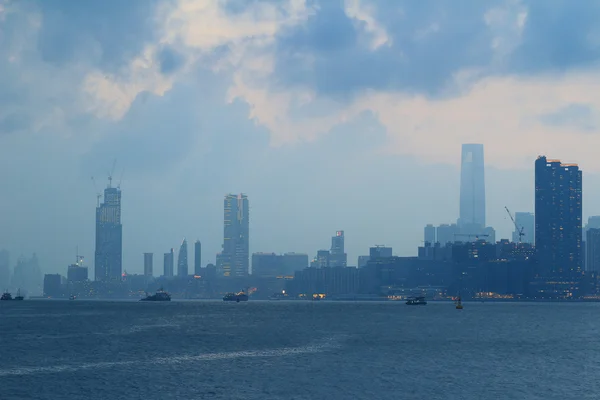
{"type": "Point", "coordinates": [459, 305]}
{"type": "Point", "coordinates": [72, 297]}
{"type": "Point", "coordinates": [237, 297]}
{"type": "Point", "coordinates": [416, 301]}
{"type": "Point", "coordinates": [160, 295]}
{"type": "Point", "coordinates": [19, 296]}
{"type": "Point", "coordinates": [6, 296]}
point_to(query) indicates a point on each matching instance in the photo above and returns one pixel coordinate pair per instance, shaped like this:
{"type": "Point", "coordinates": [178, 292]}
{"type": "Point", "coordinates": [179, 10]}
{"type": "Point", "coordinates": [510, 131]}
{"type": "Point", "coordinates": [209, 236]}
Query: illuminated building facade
{"type": "Point", "coordinates": [558, 218]}
{"type": "Point", "coordinates": [234, 260]}
{"type": "Point", "coordinates": [109, 237]}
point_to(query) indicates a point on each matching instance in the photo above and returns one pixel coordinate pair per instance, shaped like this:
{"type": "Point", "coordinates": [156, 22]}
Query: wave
{"type": "Point", "coordinates": [321, 346]}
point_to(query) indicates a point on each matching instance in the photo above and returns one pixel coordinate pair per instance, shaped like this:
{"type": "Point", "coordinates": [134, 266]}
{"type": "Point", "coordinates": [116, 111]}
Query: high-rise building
{"type": "Point", "coordinates": [109, 237]}
{"type": "Point", "coordinates": [558, 217]}
{"type": "Point", "coordinates": [592, 249]}
{"type": "Point", "coordinates": [472, 189]}
{"type": "Point", "coordinates": [77, 273]}
{"type": "Point", "coordinates": [337, 256]}
{"type": "Point", "coordinates": [446, 233]}
{"type": "Point", "coordinates": [168, 264]}
{"type": "Point", "coordinates": [148, 264]}
{"type": "Point", "coordinates": [526, 222]}
{"type": "Point", "coordinates": [182, 260]}
{"type": "Point", "coordinates": [380, 252]}
{"type": "Point", "coordinates": [429, 234]}
{"type": "Point", "coordinates": [363, 261]}
{"type": "Point", "coordinates": [197, 258]}
{"type": "Point", "coordinates": [293, 262]}
{"type": "Point", "coordinates": [235, 258]}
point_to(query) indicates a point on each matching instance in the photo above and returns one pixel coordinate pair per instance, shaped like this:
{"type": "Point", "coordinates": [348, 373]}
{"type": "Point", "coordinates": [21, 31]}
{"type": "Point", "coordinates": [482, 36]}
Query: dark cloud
{"type": "Point", "coordinates": [559, 34]}
{"type": "Point", "coordinates": [170, 60]}
{"type": "Point", "coordinates": [430, 41]}
{"type": "Point", "coordinates": [107, 32]}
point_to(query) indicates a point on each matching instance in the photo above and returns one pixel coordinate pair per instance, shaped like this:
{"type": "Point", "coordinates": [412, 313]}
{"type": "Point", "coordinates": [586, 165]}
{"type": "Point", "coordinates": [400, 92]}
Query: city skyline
{"type": "Point", "coordinates": [249, 117]}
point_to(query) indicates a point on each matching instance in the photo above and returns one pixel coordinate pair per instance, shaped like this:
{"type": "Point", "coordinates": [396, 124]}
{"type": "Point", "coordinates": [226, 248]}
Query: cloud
{"type": "Point", "coordinates": [581, 117]}
{"type": "Point", "coordinates": [364, 16]}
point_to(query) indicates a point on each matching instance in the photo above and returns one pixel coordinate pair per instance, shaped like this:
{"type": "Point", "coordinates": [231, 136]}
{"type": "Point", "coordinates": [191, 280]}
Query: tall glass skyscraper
{"type": "Point", "coordinates": [558, 217]}
{"type": "Point", "coordinates": [337, 256]}
{"type": "Point", "coordinates": [234, 260]}
{"type": "Point", "coordinates": [197, 258]}
{"type": "Point", "coordinates": [472, 189]}
{"type": "Point", "coordinates": [168, 264]}
{"type": "Point", "coordinates": [182, 259]}
{"type": "Point", "coordinates": [109, 237]}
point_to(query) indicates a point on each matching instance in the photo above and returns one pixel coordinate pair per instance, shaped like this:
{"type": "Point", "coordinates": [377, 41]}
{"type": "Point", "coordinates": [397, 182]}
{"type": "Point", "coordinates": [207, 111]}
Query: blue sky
{"type": "Point", "coordinates": [329, 115]}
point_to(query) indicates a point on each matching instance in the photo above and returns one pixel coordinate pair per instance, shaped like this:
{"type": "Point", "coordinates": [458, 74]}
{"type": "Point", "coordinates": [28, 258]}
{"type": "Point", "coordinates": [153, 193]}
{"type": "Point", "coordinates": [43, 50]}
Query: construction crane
{"type": "Point", "coordinates": [518, 230]}
{"type": "Point", "coordinates": [470, 235]}
{"type": "Point", "coordinates": [98, 194]}
{"type": "Point", "coordinates": [111, 173]}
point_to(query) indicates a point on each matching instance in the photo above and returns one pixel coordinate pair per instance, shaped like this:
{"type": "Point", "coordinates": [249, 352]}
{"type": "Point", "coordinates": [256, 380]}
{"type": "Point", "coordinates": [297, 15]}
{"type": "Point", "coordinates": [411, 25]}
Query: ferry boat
{"type": "Point", "coordinates": [18, 296]}
{"type": "Point", "coordinates": [160, 295]}
{"type": "Point", "coordinates": [6, 296]}
{"type": "Point", "coordinates": [416, 301]}
{"type": "Point", "coordinates": [237, 297]}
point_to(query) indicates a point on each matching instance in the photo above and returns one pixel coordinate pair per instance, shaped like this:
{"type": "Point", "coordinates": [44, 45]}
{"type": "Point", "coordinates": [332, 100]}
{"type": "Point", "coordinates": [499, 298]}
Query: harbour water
{"type": "Point", "coordinates": [298, 350]}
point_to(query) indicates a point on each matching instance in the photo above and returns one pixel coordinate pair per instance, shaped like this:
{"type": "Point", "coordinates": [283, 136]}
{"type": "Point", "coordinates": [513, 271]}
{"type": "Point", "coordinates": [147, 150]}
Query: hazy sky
{"type": "Point", "coordinates": [328, 114]}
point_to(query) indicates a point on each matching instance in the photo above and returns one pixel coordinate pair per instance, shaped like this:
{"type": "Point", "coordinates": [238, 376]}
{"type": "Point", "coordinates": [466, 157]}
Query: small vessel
{"type": "Point", "coordinates": [416, 301]}
{"type": "Point", "coordinates": [18, 296]}
{"type": "Point", "coordinates": [72, 297]}
{"type": "Point", "coordinates": [237, 297]}
{"type": "Point", "coordinates": [6, 296]}
{"type": "Point", "coordinates": [459, 305]}
{"type": "Point", "coordinates": [160, 295]}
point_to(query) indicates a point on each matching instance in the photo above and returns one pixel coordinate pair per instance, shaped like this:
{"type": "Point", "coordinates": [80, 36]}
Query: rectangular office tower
{"type": "Point", "coordinates": [168, 264]}
{"type": "Point", "coordinates": [558, 218]}
{"type": "Point", "coordinates": [472, 189]}
{"type": "Point", "coordinates": [234, 260]}
{"type": "Point", "coordinates": [109, 237]}
{"type": "Point", "coordinates": [337, 256]}
{"type": "Point", "coordinates": [148, 264]}
{"type": "Point", "coordinates": [197, 258]}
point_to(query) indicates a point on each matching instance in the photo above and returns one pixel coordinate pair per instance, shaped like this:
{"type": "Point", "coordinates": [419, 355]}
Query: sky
{"type": "Point", "coordinates": [330, 115]}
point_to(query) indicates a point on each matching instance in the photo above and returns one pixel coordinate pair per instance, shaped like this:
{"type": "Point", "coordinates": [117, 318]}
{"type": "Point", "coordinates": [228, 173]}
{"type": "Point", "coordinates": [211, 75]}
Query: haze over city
{"type": "Point", "coordinates": [328, 115]}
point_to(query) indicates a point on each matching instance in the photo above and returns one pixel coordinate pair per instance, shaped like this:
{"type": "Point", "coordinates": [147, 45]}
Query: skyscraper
{"type": "Point", "coordinates": [592, 249]}
{"type": "Point", "coordinates": [182, 259]}
{"type": "Point", "coordinates": [337, 256]}
{"type": "Point", "coordinates": [148, 264]}
{"type": "Point", "coordinates": [109, 237]}
{"type": "Point", "coordinates": [525, 221]}
{"type": "Point", "coordinates": [235, 257]}
{"type": "Point", "coordinates": [429, 234]}
{"type": "Point", "coordinates": [197, 258]}
{"type": "Point", "coordinates": [472, 189]}
{"type": "Point", "coordinates": [168, 264]}
{"type": "Point", "coordinates": [558, 217]}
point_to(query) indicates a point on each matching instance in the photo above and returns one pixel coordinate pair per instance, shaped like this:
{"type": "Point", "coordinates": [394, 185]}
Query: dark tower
{"type": "Point", "coordinates": [558, 218]}
{"type": "Point", "coordinates": [197, 258]}
{"type": "Point", "coordinates": [109, 236]}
